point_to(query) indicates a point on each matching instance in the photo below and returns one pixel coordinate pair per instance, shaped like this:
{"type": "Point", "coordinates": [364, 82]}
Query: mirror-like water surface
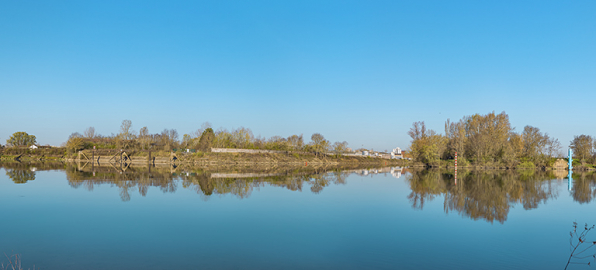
{"type": "Point", "coordinates": [62, 217]}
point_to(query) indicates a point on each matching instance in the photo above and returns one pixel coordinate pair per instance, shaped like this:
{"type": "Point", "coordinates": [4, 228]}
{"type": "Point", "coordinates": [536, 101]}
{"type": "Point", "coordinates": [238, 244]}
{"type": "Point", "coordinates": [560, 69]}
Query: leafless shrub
{"type": "Point", "coordinates": [14, 263]}
{"type": "Point", "coordinates": [581, 249]}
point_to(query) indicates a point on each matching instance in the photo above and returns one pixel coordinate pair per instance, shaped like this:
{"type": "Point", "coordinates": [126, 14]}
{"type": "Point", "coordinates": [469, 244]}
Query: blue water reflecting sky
{"type": "Point", "coordinates": [368, 222]}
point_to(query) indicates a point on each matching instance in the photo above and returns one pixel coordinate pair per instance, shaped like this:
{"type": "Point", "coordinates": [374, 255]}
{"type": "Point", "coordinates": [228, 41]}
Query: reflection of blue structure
{"type": "Point", "coordinates": [569, 178]}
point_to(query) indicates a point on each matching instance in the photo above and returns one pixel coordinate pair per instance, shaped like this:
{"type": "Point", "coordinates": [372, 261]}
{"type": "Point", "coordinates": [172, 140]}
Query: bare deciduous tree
{"type": "Point", "coordinates": [583, 147]}
{"type": "Point", "coordinates": [126, 132]}
{"type": "Point", "coordinates": [553, 147]}
{"type": "Point", "coordinates": [534, 142]}
{"type": "Point", "coordinates": [340, 148]}
{"type": "Point", "coordinates": [90, 132]}
{"type": "Point", "coordinates": [319, 142]}
{"type": "Point", "coordinates": [144, 137]}
{"type": "Point", "coordinates": [296, 142]}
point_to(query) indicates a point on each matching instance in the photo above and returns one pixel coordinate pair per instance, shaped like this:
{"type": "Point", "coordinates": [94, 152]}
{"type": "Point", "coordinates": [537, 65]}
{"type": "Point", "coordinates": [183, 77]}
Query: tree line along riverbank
{"type": "Point", "coordinates": [199, 143]}
{"type": "Point", "coordinates": [552, 164]}
{"type": "Point", "coordinates": [480, 141]}
{"type": "Point", "coordinates": [489, 141]}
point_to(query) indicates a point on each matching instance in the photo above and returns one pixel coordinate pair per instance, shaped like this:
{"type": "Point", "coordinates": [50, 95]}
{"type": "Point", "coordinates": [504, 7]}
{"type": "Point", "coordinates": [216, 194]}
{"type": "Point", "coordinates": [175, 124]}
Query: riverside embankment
{"type": "Point", "coordinates": [226, 158]}
{"type": "Point", "coordinates": [217, 156]}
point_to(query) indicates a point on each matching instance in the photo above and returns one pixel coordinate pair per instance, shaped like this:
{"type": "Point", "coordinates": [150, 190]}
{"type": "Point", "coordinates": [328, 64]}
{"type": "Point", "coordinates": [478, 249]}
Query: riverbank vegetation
{"type": "Point", "coordinates": [198, 143]}
{"type": "Point", "coordinates": [202, 140]}
{"type": "Point", "coordinates": [489, 140]}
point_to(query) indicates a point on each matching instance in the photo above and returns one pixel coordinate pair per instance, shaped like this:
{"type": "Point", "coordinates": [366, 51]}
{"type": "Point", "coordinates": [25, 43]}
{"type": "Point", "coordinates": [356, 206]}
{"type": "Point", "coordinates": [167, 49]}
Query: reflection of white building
{"type": "Point", "coordinates": [396, 171]}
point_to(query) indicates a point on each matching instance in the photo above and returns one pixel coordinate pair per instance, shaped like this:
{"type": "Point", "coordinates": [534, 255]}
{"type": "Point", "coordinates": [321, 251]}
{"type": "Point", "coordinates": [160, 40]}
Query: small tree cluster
{"type": "Point", "coordinates": [483, 138]}
{"type": "Point", "coordinates": [21, 138]}
{"type": "Point", "coordinates": [583, 148]}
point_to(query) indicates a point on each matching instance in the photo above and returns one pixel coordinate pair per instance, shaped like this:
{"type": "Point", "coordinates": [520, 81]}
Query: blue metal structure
{"type": "Point", "coordinates": [570, 159]}
{"type": "Point", "coordinates": [569, 177]}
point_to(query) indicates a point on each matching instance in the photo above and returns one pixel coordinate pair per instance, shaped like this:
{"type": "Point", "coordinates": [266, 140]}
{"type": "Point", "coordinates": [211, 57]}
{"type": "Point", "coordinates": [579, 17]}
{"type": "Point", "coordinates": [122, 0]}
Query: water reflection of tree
{"type": "Point", "coordinates": [425, 186]}
{"type": "Point", "coordinates": [487, 195]}
{"type": "Point", "coordinates": [484, 196]}
{"type": "Point", "coordinates": [584, 187]}
{"type": "Point", "coordinates": [318, 182]}
{"type": "Point", "coordinates": [125, 181]}
{"type": "Point", "coordinates": [21, 172]}
{"type": "Point", "coordinates": [201, 181]}
{"type": "Point", "coordinates": [20, 176]}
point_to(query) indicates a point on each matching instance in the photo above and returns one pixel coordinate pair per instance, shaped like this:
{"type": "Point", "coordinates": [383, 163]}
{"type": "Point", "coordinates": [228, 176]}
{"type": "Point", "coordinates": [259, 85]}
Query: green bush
{"type": "Point", "coordinates": [526, 165]}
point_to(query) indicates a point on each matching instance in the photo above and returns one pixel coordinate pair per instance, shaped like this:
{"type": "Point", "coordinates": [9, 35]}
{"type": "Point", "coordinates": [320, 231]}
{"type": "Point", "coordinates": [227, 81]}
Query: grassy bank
{"type": "Point", "coordinates": [205, 157]}
{"type": "Point", "coordinates": [262, 158]}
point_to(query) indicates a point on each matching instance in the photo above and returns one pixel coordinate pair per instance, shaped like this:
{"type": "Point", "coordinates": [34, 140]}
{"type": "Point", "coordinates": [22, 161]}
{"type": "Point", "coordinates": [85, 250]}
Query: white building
{"type": "Point", "coordinates": [396, 153]}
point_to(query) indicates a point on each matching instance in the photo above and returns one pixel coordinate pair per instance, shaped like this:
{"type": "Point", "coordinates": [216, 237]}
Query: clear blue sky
{"type": "Point", "coordinates": [359, 71]}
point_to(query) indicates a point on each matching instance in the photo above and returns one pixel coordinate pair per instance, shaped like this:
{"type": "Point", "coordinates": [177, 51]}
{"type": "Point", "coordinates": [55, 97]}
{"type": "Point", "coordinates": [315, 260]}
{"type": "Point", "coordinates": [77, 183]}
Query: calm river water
{"type": "Point", "coordinates": [58, 217]}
